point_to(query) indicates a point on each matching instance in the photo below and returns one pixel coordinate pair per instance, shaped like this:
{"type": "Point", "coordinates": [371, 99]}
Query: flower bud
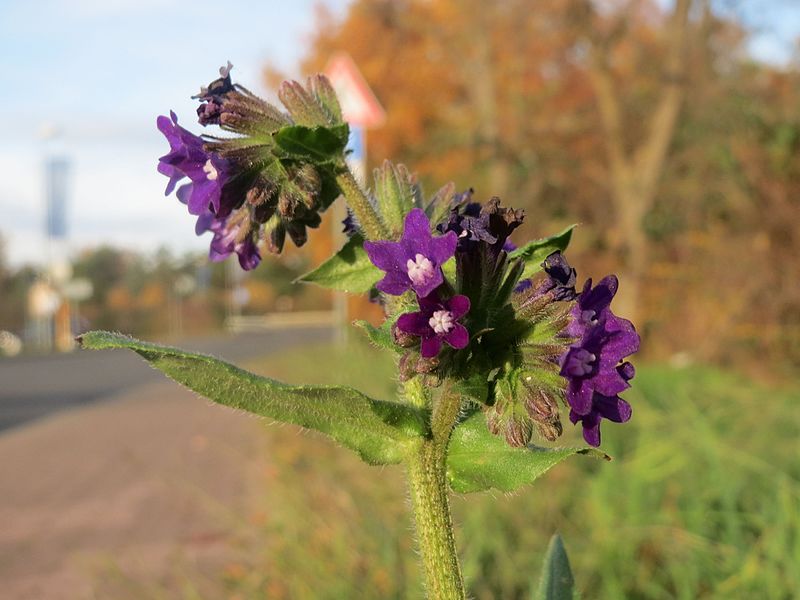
{"type": "Point", "coordinates": [403, 339]}
{"type": "Point", "coordinates": [542, 408]}
{"type": "Point", "coordinates": [405, 366]}
{"type": "Point", "coordinates": [426, 365]}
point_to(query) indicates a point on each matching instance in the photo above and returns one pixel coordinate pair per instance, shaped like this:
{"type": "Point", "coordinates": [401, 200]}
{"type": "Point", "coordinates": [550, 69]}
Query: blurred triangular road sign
{"type": "Point", "coordinates": [359, 105]}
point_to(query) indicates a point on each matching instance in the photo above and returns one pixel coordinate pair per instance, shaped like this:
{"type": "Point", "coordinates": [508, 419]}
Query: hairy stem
{"type": "Point", "coordinates": [362, 208]}
{"type": "Point", "coordinates": [427, 482]}
{"type": "Point", "coordinates": [416, 393]}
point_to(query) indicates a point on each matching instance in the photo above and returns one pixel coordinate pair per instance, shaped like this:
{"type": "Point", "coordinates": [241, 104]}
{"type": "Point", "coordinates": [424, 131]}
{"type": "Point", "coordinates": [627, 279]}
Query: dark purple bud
{"type": "Point", "coordinates": [426, 365]}
{"type": "Point", "coordinates": [350, 225]}
{"type": "Point", "coordinates": [502, 221]}
{"type": "Point", "coordinates": [561, 277]}
{"type": "Point", "coordinates": [213, 96]}
{"type": "Point", "coordinates": [406, 366]}
{"type": "Point", "coordinates": [542, 408]}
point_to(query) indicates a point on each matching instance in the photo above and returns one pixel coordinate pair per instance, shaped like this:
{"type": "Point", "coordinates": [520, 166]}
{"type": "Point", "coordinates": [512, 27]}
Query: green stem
{"type": "Point", "coordinates": [427, 482]}
{"type": "Point", "coordinates": [357, 200]}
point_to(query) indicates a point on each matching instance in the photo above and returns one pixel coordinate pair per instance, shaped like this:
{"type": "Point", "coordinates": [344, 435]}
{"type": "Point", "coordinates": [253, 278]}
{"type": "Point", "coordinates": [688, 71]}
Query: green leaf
{"type": "Point", "coordinates": [439, 206]}
{"type": "Point", "coordinates": [449, 269]}
{"type": "Point", "coordinates": [349, 270]}
{"type": "Point", "coordinates": [478, 460]}
{"type": "Point", "coordinates": [378, 431]}
{"type": "Point", "coordinates": [394, 193]}
{"type": "Point", "coordinates": [533, 253]}
{"type": "Point", "coordinates": [313, 143]}
{"type": "Point", "coordinates": [380, 336]}
{"type": "Point", "coordinates": [556, 582]}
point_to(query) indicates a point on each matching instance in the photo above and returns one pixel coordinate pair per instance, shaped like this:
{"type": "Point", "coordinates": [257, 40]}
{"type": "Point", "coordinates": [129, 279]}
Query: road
{"type": "Point", "coordinates": [34, 387]}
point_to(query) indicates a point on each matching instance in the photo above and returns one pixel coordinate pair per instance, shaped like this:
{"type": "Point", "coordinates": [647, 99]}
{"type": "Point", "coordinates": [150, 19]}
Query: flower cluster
{"type": "Point", "coordinates": [536, 344]}
{"type": "Point", "coordinates": [463, 302]}
{"type": "Point", "coordinates": [208, 173]}
{"type": "Point", "coordinates": [415, 263]}
{"type": "Point", "coordinates": [593, 364]}
{"type": "Point", "coordinates": [253, 189]}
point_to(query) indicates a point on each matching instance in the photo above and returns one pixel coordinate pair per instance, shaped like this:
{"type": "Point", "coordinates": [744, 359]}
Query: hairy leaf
{"type": "Point", "coordinates": [378, 431]}
{"type": "Point", "coordinates": [556, 582]}
{"type": "Point", "coordinates": [439, 207]}
{"type": "Point", "coordinates": [395, 194]}
{"type": "Point", "coordinates": [349, 270]}
{"type": "Point", "coordinates": [313, 143]}
{"type": "Point", "coordinates": [380, 336]}
{"type": "Point", "coordinates": [478, 460]}
{"type": "Point", "coordinates": [534, 252]}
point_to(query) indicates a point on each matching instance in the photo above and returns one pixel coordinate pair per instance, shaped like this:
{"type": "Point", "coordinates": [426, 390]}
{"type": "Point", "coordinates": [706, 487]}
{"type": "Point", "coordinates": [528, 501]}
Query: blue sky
{"type": "Point", "coordinates": [100, 71]}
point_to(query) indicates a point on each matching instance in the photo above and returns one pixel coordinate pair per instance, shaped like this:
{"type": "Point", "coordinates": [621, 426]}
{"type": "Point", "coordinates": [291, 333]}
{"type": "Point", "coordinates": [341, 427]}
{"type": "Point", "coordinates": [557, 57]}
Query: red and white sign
{"type": "Point", "coordinates": [360, 107]}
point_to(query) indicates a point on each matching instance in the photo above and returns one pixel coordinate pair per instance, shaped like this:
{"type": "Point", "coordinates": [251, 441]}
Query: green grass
{"type": "Point", "coordinates": [701, 501]}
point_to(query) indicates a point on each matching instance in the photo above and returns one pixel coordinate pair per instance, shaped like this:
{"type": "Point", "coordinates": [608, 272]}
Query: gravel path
{"type": "Point", "coordinates": [97, 499]}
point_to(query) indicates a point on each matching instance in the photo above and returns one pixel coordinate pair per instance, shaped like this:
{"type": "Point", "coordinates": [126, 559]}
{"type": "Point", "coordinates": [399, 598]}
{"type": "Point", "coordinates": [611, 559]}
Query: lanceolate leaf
{"type": "Point", "coordinates": [556, 582]}
{"type": "Point", "coordinates": [378, 431]}
{"type": "Point", "coordinates": [380, 336]}
{"type": "Point", "coordinates": [314, 143]}
{"type": "Point", "coordinates": [395, 194]}
{"type": "Point", "coordinates": [349, 270]}
{"type": "Point", "coordinates": [478, 460]}
{"type": "Point", "coordinates": [533, 253]}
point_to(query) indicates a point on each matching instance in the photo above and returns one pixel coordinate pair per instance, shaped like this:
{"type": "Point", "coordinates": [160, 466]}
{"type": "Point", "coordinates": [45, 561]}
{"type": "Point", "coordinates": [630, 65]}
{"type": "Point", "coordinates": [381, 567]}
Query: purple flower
{"type": "Point", "coordinates": [206, 171]}
{"type": "Point", "coordinates": [436, 322]}
{"type": "Point", "coordinates": [592, 364]}
{"type": "Point", "coordinates": [232, 234]}
{"type": "Point", "coordinates": [415, 261]}
{"type": "Point", "coordinates": [612, 408]}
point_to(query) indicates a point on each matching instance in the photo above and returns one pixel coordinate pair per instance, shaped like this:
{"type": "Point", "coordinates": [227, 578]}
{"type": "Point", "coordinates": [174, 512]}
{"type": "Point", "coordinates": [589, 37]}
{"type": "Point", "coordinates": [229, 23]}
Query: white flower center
{"type": "Point", "coordinates": [441, 321]}
{"type": "Point", "coordinates": [210, 171]}
{"type": "Point", "coordinates": [420, 269]}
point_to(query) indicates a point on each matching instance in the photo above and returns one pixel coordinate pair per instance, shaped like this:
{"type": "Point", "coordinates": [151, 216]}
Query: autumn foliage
{"type": "Point", "coordinates": [653, 128]}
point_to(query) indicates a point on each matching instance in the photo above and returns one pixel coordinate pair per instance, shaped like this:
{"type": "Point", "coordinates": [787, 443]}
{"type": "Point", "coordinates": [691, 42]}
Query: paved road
{"type": "Point", "coordinates": [33, 387]}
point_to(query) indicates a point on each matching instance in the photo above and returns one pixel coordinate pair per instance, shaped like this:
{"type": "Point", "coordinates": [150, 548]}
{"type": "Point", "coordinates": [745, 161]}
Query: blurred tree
{"type": "Point", "coordinates": [651, 125]}
{"type": "Point", "coordinates": [503, 98]}
{"type": "Point", "coordinates": [635, 162]}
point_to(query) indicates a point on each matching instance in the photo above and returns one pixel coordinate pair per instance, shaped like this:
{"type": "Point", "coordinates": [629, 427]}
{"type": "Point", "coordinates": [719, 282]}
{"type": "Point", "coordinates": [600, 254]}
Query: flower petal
{"type": "Point", "coordinates": [394, 283]}
{"type": "Point", "coordinates": [416, 231]}
{"type": "Point", "coordinates": [429, 285]}
{"type": "Point", "coordinates": [443, 247]}
{"type": "Point", "coordinates": [458, 306]}
{"type": "Point", "coordinates": [430, 347]}
{"type": "Point", "coordinates": [415, 323]}
{"type": "Point", "coordinates": [591, 429]}
{"type": "Point", "coordinates": [387, 256]}
{"type": "Point", "coordinates": [458, 337]}
{"type": "Point", "coordinates": [612, 408]}
{"type": "Point", "coordinates": [579, 397]}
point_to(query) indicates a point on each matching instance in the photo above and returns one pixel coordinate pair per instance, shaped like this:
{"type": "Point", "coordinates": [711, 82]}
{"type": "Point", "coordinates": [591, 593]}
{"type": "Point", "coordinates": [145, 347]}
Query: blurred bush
{"type": "Point", "coordinates": [702, 501]}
